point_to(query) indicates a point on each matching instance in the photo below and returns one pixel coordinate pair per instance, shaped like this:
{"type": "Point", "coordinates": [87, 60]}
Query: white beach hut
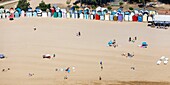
{"type": "Point", "coordinates": [0, 15]}
{"type": "Point", "coordinates": [49, 14]}
{"type": "Point", "coordinates": [145, 16]}
{"type": "Point", "coordinates": [7, 14]}
{"type": "Point", "coordinates": [81, 16]}
{"type": "Point", "coordinates": [76, 15]}
{"type": "Point", "coordinates": [3, 15]}
{"type": "Point", "coordinates": [22, 13]}
{"type": "Point", "coordinates": [150, 19]}
{"type": "Point", "coordinates": [72, 15]}
{"type": "Point", "coordinates": [107, 16]}
{"type": "Point", "coordinates": [131, 16]}
{"type": "Point", "coordinates": [126, 17]}
{"type": "Point", "coordinates": [91, 16]}
{"type": "Point", "coordinates": [44, 14]}
{"type": "Point", "coordinates": [68, 15]}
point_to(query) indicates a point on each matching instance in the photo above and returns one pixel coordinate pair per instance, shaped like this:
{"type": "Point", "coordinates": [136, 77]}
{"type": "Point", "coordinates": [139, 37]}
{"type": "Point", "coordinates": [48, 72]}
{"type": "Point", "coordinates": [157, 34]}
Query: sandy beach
{"type": "Point", "coordinates": [24, 48]}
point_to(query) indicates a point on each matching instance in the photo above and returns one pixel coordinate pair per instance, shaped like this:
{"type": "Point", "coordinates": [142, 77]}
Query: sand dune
{"type": "Point", "coordinates": [24, 48]}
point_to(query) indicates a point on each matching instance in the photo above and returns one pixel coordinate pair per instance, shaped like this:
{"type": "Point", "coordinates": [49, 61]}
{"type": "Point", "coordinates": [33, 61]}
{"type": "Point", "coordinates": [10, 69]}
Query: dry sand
{"type": "Point", "coordinates": [24, 48]}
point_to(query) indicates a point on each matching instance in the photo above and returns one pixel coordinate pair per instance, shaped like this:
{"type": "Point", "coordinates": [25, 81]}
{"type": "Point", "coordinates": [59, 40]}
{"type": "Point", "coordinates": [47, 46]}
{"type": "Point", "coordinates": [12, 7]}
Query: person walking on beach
{"type": "Point", "coordinates": [100, 78]}
{"type": "Point", "coordinates": [101, 63]}
{"type": "Point", "coordinates": [135, 38]}
{"type": "Point", "coordinates": [53, 55]}
{"type": "Point", "coordinates": [78, 34]}
{"type": "Point", "coordinates": [35, 28]}
{"type": "Point", "coordinates": [130, 39]}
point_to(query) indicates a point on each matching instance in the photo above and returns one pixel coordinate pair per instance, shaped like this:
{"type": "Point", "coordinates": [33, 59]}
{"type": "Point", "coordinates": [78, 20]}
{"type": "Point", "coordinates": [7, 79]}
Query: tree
{"type": "Point", "coordinates": [68, 2]}
{"type": "Point", "coordinates": [76, 7]}
{"type": "Point", "coordinates": [130, 8]}
{"type": "Point", "coordinates": [120, 3]}
{"type": "Point", "coordinates": [23, 4]}
{"type": "Point", "coordinates": [93, 7]}
{"type": "Point", "coordinates": [43, 6]}
{"type": "Point", "coordinates": [1, 7]}
{"type": "Point", "coordinates": [109, 8]}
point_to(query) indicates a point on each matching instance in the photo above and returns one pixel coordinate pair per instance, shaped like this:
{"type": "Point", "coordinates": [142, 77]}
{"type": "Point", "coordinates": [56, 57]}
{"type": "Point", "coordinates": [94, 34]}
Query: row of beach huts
{"type": "Point", "coordinates": [98, 14]}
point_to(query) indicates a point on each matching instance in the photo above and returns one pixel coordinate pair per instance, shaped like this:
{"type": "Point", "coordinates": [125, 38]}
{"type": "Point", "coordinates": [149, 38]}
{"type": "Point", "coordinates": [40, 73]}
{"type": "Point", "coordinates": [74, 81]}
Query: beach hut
{"type": "Point", "coordinates": [68, 15]}
{"type": "Point", "coordinates": [72, 15]}
{"type": "Point", "coordinates": [131, 16]}
{"type": "Point", "coordinates": [16, 14]}
{"type": "Point", "coordinates": [44, 14]}
{"type": "Point", "coordinates": [91, 16]}
{"type": "Point", "coordinates": [140, 18]}
{"type": "Point", "coordinates": [97, 17]}
{"type": "Point", "coordinates": [63, 14]}
{"type": "Point", "coordinates": [0, 15]}
{"type": "Point", "coordinates": [52, 11]}
{"type": "Point", "coordinates": [115, 18]}
{"type": "Point", "coordinates": [29, 14]}
{"type": "Point", "coordinates": [22, 13]}
{"type": "Point", "coordinates": [39, 12]}
{"type": "Point", "coordinates": [76, 15]}
{"type": "Point", "coordinates": [150, 18]}
{"type": "Point", "coordinates": [55, 15]}
{"type": "Point", "coordinates": [111, 17]}
{"type": "Point", "coordinates": [145, 16]}
{"type": "Point", "coordinates": [102, 17]}
{"type": "Point", "coordinates": [81, 16]}
{"type": "Point", "coordinates": [49, 14]}
{"type": "Point", "coordinates": [135, 17]}
{"type": "Point", "coordinates": [3, 15]}
{"type": "Point", "coordinates": [59, 14]}
{"type": "Point", "coordinates": [107, 16]}
{"type": "Point", "coordinates": [34, 14]}
{"type": "Point", "coordinates": [86, 16]}
{"type": "Point", "coordinates": [126, 17]}
{"type": "Point", "coordinates": [120, 17]}
{"type": "Point", "coordinates": [7, 14]}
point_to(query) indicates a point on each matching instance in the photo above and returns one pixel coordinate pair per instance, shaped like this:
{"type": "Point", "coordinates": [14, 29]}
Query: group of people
{"type": "Point", "coordinates": [112, 43]}
{"type": "Point", "coordinates": [101, 66]}
{"type": "Point", "coordinates": [3, 70]}
{"type": "Point", "coordinates": [132, 39]}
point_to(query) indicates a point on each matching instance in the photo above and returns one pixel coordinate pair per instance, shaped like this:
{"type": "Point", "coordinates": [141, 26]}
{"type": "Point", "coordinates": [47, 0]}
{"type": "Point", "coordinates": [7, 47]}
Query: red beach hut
{"type": "Point", "coordinates": [135, 18]}
{"type": "Point", "coordinates": [97, 17]}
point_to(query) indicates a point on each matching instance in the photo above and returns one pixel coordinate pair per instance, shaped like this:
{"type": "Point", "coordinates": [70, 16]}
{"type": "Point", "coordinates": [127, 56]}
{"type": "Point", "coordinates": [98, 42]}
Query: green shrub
{"type": "Point", "coordinates": [1, 6]}
{"type": "Point", "coordinates": [23, 4]}
{"type": "Point", "coordinates": [109, 8]}
{"type": "Point", "coordinates": [130, 8]}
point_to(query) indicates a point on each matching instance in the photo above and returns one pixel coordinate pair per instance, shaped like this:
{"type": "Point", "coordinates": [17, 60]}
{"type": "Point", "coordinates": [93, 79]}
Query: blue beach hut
{"type": "Point", "coordinates": [140, 18]}
{"type": "Point", "coordinates": [102, 17]}
{"type": "Point", "coordinates": [111, 17]}
{"type": "Point", "coordinates": [34, 14]}
{"type": "Point", "coordinates": [16, 14]}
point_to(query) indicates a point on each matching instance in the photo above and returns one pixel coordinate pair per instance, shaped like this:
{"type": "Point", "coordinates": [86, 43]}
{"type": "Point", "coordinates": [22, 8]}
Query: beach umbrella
{"type": "Point", "coordinates": [110, 42]}
{"type": "Point", "coordinates": [144, 43]}
{"type": "Point", "coordinates": [2, 56]}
